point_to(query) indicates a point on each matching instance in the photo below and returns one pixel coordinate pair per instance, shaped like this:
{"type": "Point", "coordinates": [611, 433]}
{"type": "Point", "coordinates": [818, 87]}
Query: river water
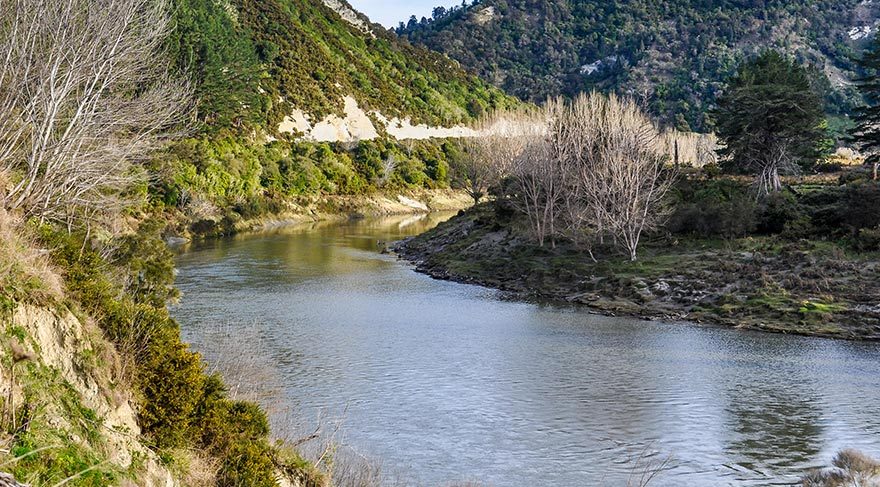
{"type": "Point", "coordinates": [446, 382]}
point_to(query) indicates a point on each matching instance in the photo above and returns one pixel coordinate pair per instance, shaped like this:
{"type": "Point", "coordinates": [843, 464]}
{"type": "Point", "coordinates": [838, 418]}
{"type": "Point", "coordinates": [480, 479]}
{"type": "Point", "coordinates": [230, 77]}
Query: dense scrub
{"type": "Point", "coordinates": [216, 181]}
{"type": "Point", "coordinates": [844, 213]}
{"type": "Point", "coordinates": [253, 61]}
{"type": "Point", "coordinates": [675, 52]}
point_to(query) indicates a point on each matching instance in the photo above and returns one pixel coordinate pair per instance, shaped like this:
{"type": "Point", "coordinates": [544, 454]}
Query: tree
{"type": "Point", "coordinates": [491, 155]}
{"type": "Point", "coordinates": [866, 133]}
{"type": "Point", "coordinates": [538, 176]}
{"type": "Point", "coordinates": [619, 168]}
{"type": "Point", "coordinates": [224, 63]}
{"type": "Point", "coordinates": [84, 95]}
{"type": "Point", "coordinates": [595, 169]}
{"type": "Point", "coordinates": [769, 120]}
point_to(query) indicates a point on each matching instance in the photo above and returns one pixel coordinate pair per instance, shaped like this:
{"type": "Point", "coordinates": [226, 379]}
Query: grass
{"type": "Point", "coordinates": [850, 468]}
{"type": "Point", "coordinates": [56, 437]}
{"type": "Point", "coordinates": [762, 282]}
{"type": "Point", "coordinates": [25, 271]}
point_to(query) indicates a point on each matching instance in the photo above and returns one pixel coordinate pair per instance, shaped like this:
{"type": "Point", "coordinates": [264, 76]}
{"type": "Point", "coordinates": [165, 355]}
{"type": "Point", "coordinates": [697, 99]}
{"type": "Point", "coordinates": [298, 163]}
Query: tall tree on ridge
{"type": "Point", "coordinates": [770, 120]}
{"type": "Point", "coordinates": [866, 133]}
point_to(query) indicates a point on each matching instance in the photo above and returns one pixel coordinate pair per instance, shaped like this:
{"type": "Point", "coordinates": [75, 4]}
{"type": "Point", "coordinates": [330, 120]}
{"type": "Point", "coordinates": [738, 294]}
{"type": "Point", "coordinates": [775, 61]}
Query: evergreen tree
{"type": "Point", "coordinates": [770, 120]}
{"type": "Point", "coordinates": [866, 133]}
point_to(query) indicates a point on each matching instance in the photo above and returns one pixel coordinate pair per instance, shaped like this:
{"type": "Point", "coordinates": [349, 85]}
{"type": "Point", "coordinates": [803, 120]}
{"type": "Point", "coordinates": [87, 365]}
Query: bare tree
{"type": "Point", "coordinates": [492, 155]}
{"type": "Point", "coordinates": [389, 165]}
{"type": "Point", "coordinates": [540, 173]}
{"type": "Point", "coordinates": [622, 175]}
{"type": "Point", "coordinates": [689, 148]}
{"type": "Point", "coordinates": [598, 171]}
{"type": "Point", "coordinates": [84, 97]}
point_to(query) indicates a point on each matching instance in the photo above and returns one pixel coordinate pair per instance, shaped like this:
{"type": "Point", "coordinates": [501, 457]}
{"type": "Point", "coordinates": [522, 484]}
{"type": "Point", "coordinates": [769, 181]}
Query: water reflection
{"type": "Point", "coordinates": [447, 382]}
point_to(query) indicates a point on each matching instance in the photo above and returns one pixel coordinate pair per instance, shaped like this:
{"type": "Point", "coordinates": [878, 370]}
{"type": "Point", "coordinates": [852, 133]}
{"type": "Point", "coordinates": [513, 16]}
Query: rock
{"type": "Point", "coordinates": [661, 288]}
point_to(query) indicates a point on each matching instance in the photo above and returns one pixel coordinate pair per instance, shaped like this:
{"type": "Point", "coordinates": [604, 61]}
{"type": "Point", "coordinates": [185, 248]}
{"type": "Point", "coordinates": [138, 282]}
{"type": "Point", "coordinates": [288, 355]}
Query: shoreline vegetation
{"type": "Point", "coordinates": [775, 234]}
{"type": "Point", "coordinates": [808, 288]}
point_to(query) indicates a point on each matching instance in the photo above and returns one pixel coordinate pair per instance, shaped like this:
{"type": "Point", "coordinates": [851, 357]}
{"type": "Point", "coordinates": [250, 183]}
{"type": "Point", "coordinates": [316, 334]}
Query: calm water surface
{"type": "Point", "coordinates": [448, 382]}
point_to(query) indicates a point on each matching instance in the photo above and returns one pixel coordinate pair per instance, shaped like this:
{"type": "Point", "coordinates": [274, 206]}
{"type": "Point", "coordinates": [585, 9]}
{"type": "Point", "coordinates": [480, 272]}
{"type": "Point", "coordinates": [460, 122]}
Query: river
{"type": "Point", "coordinates": [444, 382]}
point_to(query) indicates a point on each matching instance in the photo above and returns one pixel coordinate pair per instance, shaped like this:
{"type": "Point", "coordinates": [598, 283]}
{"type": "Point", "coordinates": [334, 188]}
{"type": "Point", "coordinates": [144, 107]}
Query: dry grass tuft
{"type": "Point", "coordinates": [201, 470]}
{"type": "Point", "coordinates": [25, 271]}
{"type": "Point", "coordinates": [852, 469]}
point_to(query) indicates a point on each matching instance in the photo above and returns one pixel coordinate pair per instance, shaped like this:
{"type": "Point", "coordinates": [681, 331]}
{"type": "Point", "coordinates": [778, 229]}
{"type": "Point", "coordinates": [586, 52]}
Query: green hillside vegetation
{"type": "Point", "coordinates": [242, 180]}
{"type": "Point", "coordinates": [676, 52]}
{"type": "Point", "coordinates": [253, 61]}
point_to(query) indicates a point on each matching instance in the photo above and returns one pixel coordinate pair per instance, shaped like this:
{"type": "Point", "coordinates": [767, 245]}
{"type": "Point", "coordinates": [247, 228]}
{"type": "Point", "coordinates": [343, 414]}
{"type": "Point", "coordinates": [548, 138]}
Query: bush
{"type": "Point", "coordinates": [860, 205]}
{"type": "Point", "coordinates": [713, 208]}
{"type": "Point", "coordinates": [258, 205]}
{"type": "Point", "coordinates": [180, 406]}
{"type": "Point", "coordinates": [171, 380]}
{"type": "Point", "coordinates": [247, 463]}
{"type": "Point", "coordinates": [828, 167]}
{"type": "Point", "coordinates": [868, 239]}
{"type": "Point", "coordinates": [778, 210]}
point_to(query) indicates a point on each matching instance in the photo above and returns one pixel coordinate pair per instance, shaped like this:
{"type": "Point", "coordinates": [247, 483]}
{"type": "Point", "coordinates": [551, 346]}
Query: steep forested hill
{"type": "Point", "coordinates": [674, 52]}
{"type": "Point", "coordinates": [253, 61]}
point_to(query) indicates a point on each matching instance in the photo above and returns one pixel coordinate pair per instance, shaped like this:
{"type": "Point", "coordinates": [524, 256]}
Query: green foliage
{"type": "Point", "coordinates": [866, 132]}
{"type": "Point", "coordinates": [180, 405]}
{"type": "Point", "coordinates": [171, 379]}
{"type": "Point", "coordinates": [678, 52]}
{"type": "Point", "coordinates": [253, 61]}
{"type": "Point", "coordinates": [55, 464]}
{"type": "Point", "coordinates": [47, 453]}
{"type": "Point", "coordinates": [868, 239]}
{"type": "Point", "coordinates": [221, 59]}
{"type": "Point", "coordinates": [726, 208]}
{"type": "Point", "coordinates": [248, 464]}
{"type": "Point", "coordinates": [713, 208]}
{"type": "Point", "coordinates": [769, 115]}
{"type": "Point", "coordinates": [779, 210]}
{"type": "Point", "coordinates": [149, 263]}
{"type": "Point", "coordinates": [246, 179]}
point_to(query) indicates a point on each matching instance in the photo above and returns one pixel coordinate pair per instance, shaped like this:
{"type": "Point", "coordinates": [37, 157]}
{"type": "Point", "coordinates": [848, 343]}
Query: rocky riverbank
{"type": "Point", "coordinates": [807, 288]}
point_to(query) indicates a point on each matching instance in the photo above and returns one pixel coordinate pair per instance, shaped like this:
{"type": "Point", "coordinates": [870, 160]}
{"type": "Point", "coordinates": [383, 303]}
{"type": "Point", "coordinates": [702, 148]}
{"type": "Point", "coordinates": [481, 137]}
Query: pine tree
{"type": "Point", "coordinates": [866, 133]}
{"type": "Point", "coordinates": [770, 120]}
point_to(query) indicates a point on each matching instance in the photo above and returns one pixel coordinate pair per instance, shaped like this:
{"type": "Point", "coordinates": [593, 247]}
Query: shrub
{"type": "Point", "coordinates": [859, 206]}
{"type": "Point", "coordinates": [828, 167]}
{"type": "Point", "coordinates": [180, 406]}
{"type": "Point", "coordinates": [247, 463]}
{"type": "Point", "coordinates": [713, 208]}
{"type": "Point", "coordinates": [868, 239]}
{"type": "Point", "coordinates": [778, 210]}
{"type": "Point", "coordinates": [171, 380]}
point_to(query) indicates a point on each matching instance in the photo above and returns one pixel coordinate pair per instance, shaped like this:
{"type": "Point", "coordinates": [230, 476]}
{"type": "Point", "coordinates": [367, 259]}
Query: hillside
{"type": "Point", "coordinates": [677, 52]}
{"type": "Point", "coordinates": [297, 63]}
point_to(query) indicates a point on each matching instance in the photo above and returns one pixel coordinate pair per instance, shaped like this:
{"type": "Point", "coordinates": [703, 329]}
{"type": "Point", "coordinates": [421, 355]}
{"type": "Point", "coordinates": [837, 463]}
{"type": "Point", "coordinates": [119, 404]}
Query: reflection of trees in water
{"type": "Point", "coordinates": [291, 254]}
{"type": "Point", "coordinates": [774, 426]}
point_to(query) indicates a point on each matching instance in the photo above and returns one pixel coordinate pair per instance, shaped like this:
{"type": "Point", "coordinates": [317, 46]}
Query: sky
{"type": "Point", "coordinates": [390, 12]}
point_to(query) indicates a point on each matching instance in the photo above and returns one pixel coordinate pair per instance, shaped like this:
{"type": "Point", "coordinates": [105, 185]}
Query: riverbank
{"type": "Point", "coordinates": [806, 288]}
{"type": "Point", "coordinates": [209, 221]}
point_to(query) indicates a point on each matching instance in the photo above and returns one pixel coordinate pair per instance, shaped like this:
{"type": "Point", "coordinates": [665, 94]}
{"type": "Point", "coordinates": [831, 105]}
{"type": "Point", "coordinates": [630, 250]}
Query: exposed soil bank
{"type": "Point", "coordinates": [808, 288]}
